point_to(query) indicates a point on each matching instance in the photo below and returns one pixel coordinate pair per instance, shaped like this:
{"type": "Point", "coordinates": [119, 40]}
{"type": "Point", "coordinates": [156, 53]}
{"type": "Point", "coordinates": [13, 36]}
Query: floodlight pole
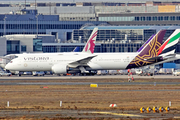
{"type": "Point", "coordinates": [5, 25]}
{"type": "Point", "coordinates": [37, 24]}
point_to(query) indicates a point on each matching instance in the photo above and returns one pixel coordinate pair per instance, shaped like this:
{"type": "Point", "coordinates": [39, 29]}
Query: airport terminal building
{"type": "Point", "coordinates": [120, 28]}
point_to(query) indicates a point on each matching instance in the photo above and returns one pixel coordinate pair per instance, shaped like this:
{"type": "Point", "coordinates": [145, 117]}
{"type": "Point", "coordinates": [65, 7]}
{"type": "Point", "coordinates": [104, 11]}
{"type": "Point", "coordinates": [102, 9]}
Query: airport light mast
{"type": "Point", "coordinates": [37, 24]}
{"type": "Point", "coordinates": [4, 25]}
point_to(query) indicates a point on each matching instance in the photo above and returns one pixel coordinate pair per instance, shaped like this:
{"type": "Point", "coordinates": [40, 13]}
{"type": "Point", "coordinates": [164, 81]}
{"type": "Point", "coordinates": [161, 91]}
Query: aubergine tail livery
{"type": "Point", "coordinates": [139, 50]}
{"type": "Point", "coordinates": [150, 50]}
{"type": "Point", "coordinates": [90, 45]}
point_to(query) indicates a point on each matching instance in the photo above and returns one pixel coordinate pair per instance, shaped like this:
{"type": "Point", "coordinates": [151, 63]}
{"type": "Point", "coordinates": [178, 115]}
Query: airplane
{"type": "Point", "coordinates": [167, 50]}
{"type": "Point", "coordinates": [67, 63]}
{"type": "Point", "coordinates": [90, 44]}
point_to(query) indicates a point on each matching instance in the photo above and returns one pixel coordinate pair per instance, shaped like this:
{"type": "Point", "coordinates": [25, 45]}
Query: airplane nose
{"type": "Point", "coordinates": [8, 67]}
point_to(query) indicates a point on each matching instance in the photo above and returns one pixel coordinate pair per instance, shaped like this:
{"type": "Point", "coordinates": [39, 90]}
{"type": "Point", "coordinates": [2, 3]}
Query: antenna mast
{"type": "Point", "coordinates": [25, 4]}
{"type": "Point", "coordinates": [35, 4]}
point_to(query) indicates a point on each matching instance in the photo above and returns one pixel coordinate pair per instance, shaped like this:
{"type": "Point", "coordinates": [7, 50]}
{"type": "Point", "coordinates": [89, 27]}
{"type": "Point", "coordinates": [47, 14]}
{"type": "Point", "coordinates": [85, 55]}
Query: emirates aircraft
{"type": "Point", "coordinates": [151, 53]}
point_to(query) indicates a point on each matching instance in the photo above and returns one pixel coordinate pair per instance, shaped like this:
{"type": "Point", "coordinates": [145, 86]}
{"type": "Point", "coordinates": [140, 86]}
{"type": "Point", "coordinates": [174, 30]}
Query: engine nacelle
{"type": "Point", "coordinates": [59, 68]}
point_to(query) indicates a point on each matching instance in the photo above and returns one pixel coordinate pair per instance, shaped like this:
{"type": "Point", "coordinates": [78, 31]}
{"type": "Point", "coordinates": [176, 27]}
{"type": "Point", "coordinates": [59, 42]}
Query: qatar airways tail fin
{"type": "Point", "coordinates": [90, 45]}
{"type": "Point", "coordinates": [150, 50]}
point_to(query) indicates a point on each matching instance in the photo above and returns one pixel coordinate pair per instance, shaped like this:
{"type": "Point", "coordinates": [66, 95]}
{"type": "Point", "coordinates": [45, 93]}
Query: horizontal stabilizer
{"type": "Point", "coordinates": [169, 56]}
{"type": "Point", "coordinates": [153, 58]}
{"type": "Point", "coordinates": [161, 57]}
{"type": "Point", "coordinates": [167, 60]}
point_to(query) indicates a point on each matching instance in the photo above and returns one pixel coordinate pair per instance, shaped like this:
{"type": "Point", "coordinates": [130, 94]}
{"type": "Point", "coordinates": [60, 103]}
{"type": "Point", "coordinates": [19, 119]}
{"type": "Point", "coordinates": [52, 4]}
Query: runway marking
{"type": "Point", "coordinates": [119, 114]}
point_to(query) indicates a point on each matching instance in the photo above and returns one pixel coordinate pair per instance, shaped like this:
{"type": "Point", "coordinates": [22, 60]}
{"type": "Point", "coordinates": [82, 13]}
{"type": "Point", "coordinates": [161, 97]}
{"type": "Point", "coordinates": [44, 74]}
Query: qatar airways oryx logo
{"type": "Point", "coordinates": [35, 58]}
{"type": "Point", "coordinates": [90, 44]}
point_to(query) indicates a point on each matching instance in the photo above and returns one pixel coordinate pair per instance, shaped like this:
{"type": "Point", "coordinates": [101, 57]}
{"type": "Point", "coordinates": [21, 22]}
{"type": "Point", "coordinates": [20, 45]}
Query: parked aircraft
{"type": "Point", "coordinates": [166, 52]}
{"type": "Point", "coordinates": [65, 63]}
{"type": "Point", "coordinates": [88, 48]}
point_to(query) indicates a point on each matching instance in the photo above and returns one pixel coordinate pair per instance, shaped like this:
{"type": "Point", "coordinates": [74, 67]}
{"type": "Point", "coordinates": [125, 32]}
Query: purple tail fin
{"type": "Point", "coordinates": [145, 43]}
{"type": "Point", "coordinates": [150, 50]}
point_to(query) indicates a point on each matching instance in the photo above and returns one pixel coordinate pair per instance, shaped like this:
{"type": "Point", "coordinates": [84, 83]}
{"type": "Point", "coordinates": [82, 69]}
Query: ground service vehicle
{"type": "Point", "coordinates": [4, 73]}
{"type": "Point", "coordinates": [176, 72]}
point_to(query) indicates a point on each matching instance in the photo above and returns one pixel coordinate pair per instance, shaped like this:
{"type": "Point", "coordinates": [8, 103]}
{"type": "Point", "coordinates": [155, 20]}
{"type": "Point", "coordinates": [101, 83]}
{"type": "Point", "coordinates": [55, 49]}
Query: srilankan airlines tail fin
{"type": "Point", "coordinates": [150, 50]}
{"type": "Point", "coordinates": [90, 45]}
{"type": "Point", "coordinates": [139, 50]}
{"type": "Point", "coordinates": [76, 49]}
{"type": "Point", "coordinates": [169, 46]}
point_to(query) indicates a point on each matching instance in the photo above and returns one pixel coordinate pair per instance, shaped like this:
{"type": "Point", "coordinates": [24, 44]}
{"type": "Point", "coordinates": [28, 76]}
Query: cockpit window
{"type": "Point", "coordinates": [16, 56]}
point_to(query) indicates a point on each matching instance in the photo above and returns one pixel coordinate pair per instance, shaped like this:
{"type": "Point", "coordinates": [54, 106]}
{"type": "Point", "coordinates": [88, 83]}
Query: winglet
{"type": "Point", "coordinates": [90, 45]}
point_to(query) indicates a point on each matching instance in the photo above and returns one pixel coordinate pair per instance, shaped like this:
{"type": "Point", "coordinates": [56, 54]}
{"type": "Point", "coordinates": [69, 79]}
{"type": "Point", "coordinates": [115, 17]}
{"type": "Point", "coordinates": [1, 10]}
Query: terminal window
{"type": "Point", "coordinates": [23, 48]}
{"type": "Point", "coordinates": [37, 44]}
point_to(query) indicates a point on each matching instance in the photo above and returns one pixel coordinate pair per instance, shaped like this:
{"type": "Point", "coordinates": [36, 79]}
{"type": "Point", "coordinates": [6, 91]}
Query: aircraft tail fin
{"type": "Point", "coordinates": [90, 45]}
{"type": "Point", "coordinates": [139, 50]}
{"type": "Point", "coordinates": [76, 49]}
{"type": "Point", "coordinates": [150, 50]}
{"type": "Point", "coordinates": [170, 44]}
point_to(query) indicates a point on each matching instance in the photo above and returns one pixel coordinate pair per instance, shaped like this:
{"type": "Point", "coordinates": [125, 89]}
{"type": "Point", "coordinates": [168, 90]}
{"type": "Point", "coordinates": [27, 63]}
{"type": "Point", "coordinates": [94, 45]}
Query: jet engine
{"type": "Point", "coordinates": [59, 68]}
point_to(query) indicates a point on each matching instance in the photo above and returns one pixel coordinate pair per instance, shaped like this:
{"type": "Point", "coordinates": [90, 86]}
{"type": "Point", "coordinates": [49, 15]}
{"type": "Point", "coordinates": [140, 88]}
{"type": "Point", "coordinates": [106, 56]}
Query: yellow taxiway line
{"type": "Point", "coordinates": [119, 114]}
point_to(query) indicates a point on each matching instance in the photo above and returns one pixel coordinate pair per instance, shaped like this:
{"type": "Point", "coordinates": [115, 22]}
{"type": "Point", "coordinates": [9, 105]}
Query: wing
{"type": "Point", "coordinates": [81, 62]}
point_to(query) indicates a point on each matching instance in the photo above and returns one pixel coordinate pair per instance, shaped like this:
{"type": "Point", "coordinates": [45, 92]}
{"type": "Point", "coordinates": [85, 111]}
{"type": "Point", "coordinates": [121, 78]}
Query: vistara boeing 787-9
{"type": "Point", "coordinates": [151, 53]}
{"type": "Point", "coordinates": [90, 44]}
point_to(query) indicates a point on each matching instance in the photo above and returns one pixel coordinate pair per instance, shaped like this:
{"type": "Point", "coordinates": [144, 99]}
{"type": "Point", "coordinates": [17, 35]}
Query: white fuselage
{"type": "Point", "coordinates": [45, 61]}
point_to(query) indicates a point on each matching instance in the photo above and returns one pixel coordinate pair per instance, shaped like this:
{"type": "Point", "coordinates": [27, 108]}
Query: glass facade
{"type": "Point", "coordinates": [66, 48]}
{"type": "Point", "coordinates": [99, 48]}
{"type": "Point", "coordinates": [131, 47]}
{"type": "Point", "coordinates": [23, 48]}
{"type": "Point", "coordinates": [140, 18]}
{"type": "Point", "coordinates": [115, 36]}
{"type": "Point", "coordinates": [13, 47]}
{"type": "Point", "coordinates": [37, 44]}
{"type": "Point", "coordinates": [30, 27]}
